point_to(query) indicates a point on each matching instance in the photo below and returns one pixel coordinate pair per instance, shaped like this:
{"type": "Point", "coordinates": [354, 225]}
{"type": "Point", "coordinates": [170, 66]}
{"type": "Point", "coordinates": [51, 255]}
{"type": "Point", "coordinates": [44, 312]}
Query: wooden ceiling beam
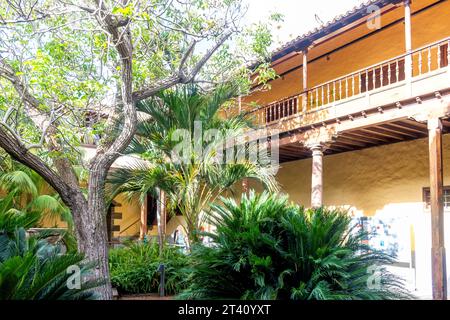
{"type": "Point", "coordinates": [446, 123]}
{"type": "Point", "coordinates": [383, 133]}
{"type": "Point", "coordinates": [350, 141]}
{"type": "Point", "coordinates": [359, 139]}
{"type": "Point", "coordinates": [341, 145]}
{"type": "Point", "coordinates": [416, 124]}
{"type": "Point", "coordinates": [397, 131]}
{"type": "Point", "coordinates": [371, 136]}
{"type": "Point", "coordinates": [405, 126]}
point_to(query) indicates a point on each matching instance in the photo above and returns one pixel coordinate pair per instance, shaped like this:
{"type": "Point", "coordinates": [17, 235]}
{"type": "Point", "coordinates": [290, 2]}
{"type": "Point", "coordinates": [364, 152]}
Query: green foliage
{"type": "Point", "coordinates": [196, 175]}
{"type": "Point", "coordinates": [134, 268]}
{"type": "Point", "coordinates": [28, 196]}
{"type": "Point", "coordinates": [32, 269]}
{"type": "Point", "coordinates": [266, 248]}
{"type": "Point", "coordinates": [71, 67]}
{"type": "Point", "coordinates": [11, 218]}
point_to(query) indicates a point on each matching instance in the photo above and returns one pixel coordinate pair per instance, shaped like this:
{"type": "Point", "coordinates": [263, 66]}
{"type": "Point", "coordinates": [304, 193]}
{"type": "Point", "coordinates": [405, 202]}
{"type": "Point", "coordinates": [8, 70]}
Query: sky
{"type": "Point", "coordinates": [299, 15]}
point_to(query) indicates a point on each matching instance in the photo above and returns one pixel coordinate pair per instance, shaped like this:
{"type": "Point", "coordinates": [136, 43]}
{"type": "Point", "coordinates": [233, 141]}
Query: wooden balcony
{"type": "Point", "coordinates": [423, 71]}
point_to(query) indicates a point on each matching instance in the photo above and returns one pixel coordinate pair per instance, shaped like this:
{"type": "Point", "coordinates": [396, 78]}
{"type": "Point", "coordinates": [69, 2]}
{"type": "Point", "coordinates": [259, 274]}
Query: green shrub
{"type": "Point", "coordinates": [266, 248]}
{"type": "Point", "coordinates": [32, 269]}
{"type": "Point", "coordinates": [134, 268]}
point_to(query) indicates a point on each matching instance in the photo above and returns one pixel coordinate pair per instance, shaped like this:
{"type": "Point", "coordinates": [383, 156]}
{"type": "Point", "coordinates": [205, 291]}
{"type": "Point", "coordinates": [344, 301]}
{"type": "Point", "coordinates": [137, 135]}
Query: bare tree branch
{"type": "Point", "coordinates": [17, 150]}
{"type": "Point", "coordinates": [181, 77]}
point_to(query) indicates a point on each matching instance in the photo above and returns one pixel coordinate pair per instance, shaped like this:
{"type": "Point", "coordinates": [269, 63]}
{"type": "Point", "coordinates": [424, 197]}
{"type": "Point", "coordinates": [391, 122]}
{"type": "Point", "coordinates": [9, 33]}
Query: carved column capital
{"type": "Point", "coordinates": [317, 148]}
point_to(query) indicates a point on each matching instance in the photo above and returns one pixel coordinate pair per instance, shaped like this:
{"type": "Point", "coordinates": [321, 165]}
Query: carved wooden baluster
{"type": "Point", "coordinates": [381, 75]}
{"type": "Point", "coordinates": [340, 89]}
{"type": "Point", "coordinates": [367, 79]}
{"type": "Point", "coordinates": [270, 114]}
{"type": "Point", "coordinates": [323, 93]}
{"type": "Point", "coordinates": [429, 59]}
{"type": "Point", "coordinates": [420, 63]}
{"type": "Point", "coordinates": [389, 73]}
{"type": "Point", "coordinates": [397, 71]}
{"type": "Point", "coordinates": [439, 56]}
{"type": "Point", "coordinates": [360, 82]}
{"type": "Point", "coordinates": [334, 91]}
{"type": "Point", "coordinates": [448, 54]}
{"type": "Point", "coordinates": [373, 78]}
{"type": "Point", "coordinates": [328, 92]}
{"type": "Point", "coordinates": [353, 84]}
{"type": "Point", "coordinates": [346, 87]}
{"type": "Point", "coordinates": [317, 97]}
{"type": "Point", "coordinates": [311, 99]}
{"type": "Point", "coordinates": [283, 107]}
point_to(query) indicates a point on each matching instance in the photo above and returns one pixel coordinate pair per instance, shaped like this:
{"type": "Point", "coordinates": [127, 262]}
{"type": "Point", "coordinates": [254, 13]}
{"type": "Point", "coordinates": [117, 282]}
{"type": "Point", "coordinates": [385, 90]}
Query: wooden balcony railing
{"type": "Point", "coordinates": [423, 60]}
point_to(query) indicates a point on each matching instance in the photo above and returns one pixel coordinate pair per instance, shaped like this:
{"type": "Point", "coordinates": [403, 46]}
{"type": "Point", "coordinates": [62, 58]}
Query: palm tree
{"type": "Point", "coordinates": [27, 192]}
{"type": "Point", "coordinates": [32, 269]}
{"type": "Point", "coordinates": [194, 179]}
{"type": "Point", "coordinates": [266, 248]}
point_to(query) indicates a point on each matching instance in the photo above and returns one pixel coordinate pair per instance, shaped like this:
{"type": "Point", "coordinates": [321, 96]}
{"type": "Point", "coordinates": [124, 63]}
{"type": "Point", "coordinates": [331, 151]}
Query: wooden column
{"type": "Point", "coordinates": [317, 176]}
{"type": "Point", "coordinates": [305, 80]}
{"type": "Point", "coordinates": [439, 277]}
{"type": "Point", "coordinates": [143, 226]}
{"type": "Point", "coordinates": [408, 41]}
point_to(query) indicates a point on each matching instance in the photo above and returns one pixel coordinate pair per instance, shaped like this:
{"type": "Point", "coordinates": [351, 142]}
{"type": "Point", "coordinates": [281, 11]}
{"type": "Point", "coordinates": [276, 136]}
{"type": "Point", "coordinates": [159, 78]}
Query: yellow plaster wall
{"type": "Point", "coordinates": [369, 179]}
{"type": "Point", "coordinates": [131, 211]}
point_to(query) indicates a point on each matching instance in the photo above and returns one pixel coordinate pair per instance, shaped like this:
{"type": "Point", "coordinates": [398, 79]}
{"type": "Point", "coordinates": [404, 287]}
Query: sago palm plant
{"type": "Point", "coordinates": [32, 269]}
{"type": "Point", "coordinates": [266, 248]}
{"type": "Point", "coordinates": [194, 177]}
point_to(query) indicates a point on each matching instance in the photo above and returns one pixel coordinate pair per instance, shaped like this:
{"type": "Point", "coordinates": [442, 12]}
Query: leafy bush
{"type": "Point", "coordinates": [134, 268]}
{"type": "Point", "coordinates": [266, 248]}
{"type": "Point", "coordinates": [31, 269]}
{"type": "Point", "coordinates": [12, 218]}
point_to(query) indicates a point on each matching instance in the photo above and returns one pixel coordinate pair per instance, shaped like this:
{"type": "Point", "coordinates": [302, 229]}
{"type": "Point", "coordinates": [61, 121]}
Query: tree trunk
{"type": "Point", "coordinates": [95, 243]}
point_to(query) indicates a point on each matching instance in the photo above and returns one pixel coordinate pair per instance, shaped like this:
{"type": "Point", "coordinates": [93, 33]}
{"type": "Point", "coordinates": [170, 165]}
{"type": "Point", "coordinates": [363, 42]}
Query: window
{"type": "Point", "coordinates": [427, 198]}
